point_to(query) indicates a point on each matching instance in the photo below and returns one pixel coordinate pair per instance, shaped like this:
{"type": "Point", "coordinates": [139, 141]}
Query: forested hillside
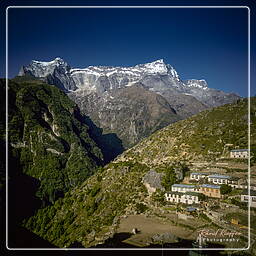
{"type": "Point", "coordinates": [90, 213]}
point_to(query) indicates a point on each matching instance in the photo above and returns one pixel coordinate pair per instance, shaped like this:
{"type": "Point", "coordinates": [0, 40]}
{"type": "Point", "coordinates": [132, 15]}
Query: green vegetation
{"type": "Point", "coordinates": [202, 197]}
{"type": "Point", "coordinates": [48, 139]}
{"type": "Point", "coordinates": [172, 173]}
{"type": "Point", "coordinates": [169, 178]}
{"type": "Point", "coordinates": [90, 212]}
{"type": "Point", "coordinates": [140, 207]}
{"type": "Point", "coordinates": [203, 216]}
{"type": "Point", "coordinates": [225, 189]}
{"type": "Point", "coordinates": [242, 205]}
{"type": "Point", "coordinates": [93, 207]}
{"type": "Point", "coordinates": [202, 137]}
{"type": "Point", "coordinates": [159, 197]}
{"type": "Point", "coordinates": [242, 218]}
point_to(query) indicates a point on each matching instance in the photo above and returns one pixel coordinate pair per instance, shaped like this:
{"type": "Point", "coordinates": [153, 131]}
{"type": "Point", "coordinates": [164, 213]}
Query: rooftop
{"type": "Point", "coordinates": [234, 178]}
{"type": "Point", "coordinates": [174, 193]}
{"type": "Point", "coordinates": [183, 185]}
{"type": "Point", "coordinates": [191, 209]}
{"type": "Point", "coordinates": [219, 176]}
{"type": "Point", "coordinates": [239, 150]}
{"type": "Point", "coordinates": [198, 173]}
{"type": "Point", "coordinates": [210, 186]}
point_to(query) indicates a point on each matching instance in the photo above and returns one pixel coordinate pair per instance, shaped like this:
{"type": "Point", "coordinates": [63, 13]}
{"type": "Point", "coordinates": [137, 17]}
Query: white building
{"type": "Point", "coordinates": [218, 179]}
{"type": "Point", "coordinates": [239, 153]}
{"type": "Point", "coordinates": [197, 176]}
{"type": "Point", "coordinates": [245, 197]}
{"type": "Point", "coordinates": [183, 188]}
{"type": "Point", "coordinates": [245, 186]}
{"type": "Point", "coordinates": [185, 198]}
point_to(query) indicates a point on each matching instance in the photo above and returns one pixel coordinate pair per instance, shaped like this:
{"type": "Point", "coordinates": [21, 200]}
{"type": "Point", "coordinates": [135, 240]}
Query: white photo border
{"type": "Point", "coordinates": [132, 7]}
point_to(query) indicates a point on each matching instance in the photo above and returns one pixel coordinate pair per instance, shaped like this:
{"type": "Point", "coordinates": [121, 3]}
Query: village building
{"type": "Point", "coordinates": [239, 153]}
{"type": "Point", "coordinates": [197, 176]}
{"type": "Point", "coordinates": [210, 190]}
{"type": "Point", "coordinates": [218, 179]}
{"type": "Point", "coordinates": [241, 184]}
{"type": "Point", "coordinates": [253, 187]}
{"type": "Point", "coordinates": [246, 198]}
{"type": "Point", "coordinates": [185, 198]}
{"type": "Point", "coordinates": [183, 188]}
{"type": "Point", "coordinates": [234, 182]}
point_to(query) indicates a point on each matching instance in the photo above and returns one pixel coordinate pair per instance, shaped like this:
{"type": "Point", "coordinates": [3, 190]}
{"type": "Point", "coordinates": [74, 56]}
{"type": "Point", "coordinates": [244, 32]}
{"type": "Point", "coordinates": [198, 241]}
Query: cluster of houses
{"type": "Point", "coordinates": [219, 179]}
{"type": "Point", "coordinates": [239, 153]}
{"type": "Point", "coordinates": [191, 194]}
{"type": "Point", "coordinates": [207, 184]}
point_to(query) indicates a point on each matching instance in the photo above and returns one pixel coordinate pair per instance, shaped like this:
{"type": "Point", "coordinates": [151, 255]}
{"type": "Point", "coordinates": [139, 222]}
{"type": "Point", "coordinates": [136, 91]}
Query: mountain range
{"type": "Point", "coordinates": [131, 102]}
{"type": "Point", "coordinates": [56, 164]}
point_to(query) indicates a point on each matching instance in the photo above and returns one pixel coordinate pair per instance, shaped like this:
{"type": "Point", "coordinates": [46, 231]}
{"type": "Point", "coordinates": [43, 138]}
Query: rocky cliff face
{"type": "Point", "coordinates": [106, 95]}
{"type": "Point", "coordinates": [47, 139]}
{"type": "Point", "coordinates": [132, 112]}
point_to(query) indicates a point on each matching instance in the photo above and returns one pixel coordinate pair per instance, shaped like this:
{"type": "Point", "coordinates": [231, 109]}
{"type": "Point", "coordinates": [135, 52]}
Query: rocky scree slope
{"type": "Point", "coordinates": [90, 214]}
{"type": "Point", "coordinates": [90, 87]}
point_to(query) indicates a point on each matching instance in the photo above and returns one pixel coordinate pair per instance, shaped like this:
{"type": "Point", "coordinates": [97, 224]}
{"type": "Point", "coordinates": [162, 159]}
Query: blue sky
{"type": "Point", "coordinates": [208, 44]}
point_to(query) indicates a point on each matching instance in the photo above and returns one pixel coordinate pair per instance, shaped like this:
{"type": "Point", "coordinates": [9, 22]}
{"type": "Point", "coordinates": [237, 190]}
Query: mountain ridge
{"type": "Point", "coordinates": [106, 95]}
{"type": "Point", "coordinates": [103, 78]}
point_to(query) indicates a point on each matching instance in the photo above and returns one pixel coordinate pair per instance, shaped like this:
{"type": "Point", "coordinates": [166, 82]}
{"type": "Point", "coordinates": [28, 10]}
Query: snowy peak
{"type": "Point", "coordinates": [42, 69]}
{"type": "Point", "coordinates": [158, 67]}
{"type": "Point", "coordinates": [54, 72]}
{"type": "Point", "coordinates": [202, 84]}
{"type": "Point", "coordinates": [57, 61]}
{"type": "Point", "coordinates": [156, 76]}
{"type": "Point", "coordinates": [155, 67]}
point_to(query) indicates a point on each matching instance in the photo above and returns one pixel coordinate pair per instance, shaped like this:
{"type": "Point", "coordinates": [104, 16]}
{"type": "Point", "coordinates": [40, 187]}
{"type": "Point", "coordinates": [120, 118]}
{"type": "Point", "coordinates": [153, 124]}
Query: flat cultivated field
{"type": "Point", "coordinates": [149, 226]}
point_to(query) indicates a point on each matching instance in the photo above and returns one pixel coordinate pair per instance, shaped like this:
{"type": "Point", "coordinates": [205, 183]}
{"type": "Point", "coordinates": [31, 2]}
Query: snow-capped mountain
{"type": "Point", "coordinates": [131, 102]}
{"type": "Point", "coordinates": [156, 76]}
{"type": "Point", "coordinates": [55, 72]}
{"type": "Point", "coordinates": [100, 78]}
